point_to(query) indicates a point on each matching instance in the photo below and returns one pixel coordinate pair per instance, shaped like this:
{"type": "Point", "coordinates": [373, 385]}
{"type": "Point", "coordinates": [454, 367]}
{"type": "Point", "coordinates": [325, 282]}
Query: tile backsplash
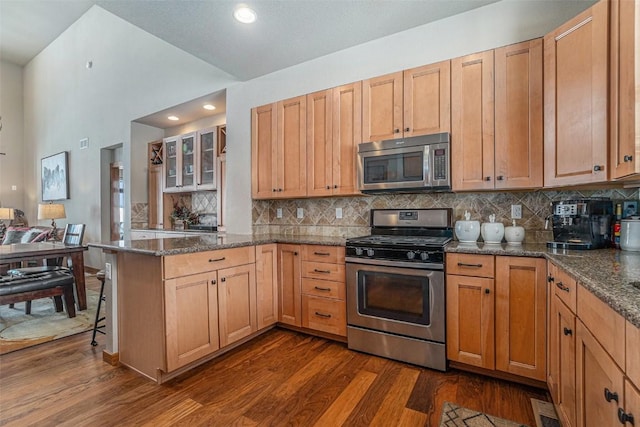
{"type": "Point", "coordinates": [319, 214]}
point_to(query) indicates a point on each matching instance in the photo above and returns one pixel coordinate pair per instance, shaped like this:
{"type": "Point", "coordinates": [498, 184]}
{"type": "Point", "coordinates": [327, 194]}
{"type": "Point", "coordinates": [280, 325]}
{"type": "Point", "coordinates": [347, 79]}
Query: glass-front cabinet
{"type": "Point", "coordinates": [171, 164]}
{"type": "Point", "coordinates": [188, 167]}
{"type": "Point", "coordinates": [180, 163]}
{"type": "Point", "coordinates": [206, 179]}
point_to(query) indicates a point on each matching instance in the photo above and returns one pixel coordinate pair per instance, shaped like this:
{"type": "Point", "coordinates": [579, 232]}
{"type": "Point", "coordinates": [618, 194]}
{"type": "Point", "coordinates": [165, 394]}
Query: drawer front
{"type": "Point", "coordinates": [324, 314]}
{"type": "Point", "coordinates": [323, 271]}
{"type": "Point", "coordinates": [201, 262]}
{"type": "Point", "coordinates": [324, 288]}
{"type": "Point", "coordinates": [565, 287]}
{"type": "Point", "coordinates": [320, 253]}
{"type": "Point", "coordinates": [471, 265]}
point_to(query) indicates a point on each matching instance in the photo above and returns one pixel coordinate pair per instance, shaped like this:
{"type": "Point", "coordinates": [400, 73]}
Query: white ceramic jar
{"type": "Point", "coordinates": [467, 231]}
{"type": "Point", "coordinates": [492, 232]}
{"type": "Point", "coordinates": [630, 234]}
{"type": "Point", "coordinates": [514, 234]}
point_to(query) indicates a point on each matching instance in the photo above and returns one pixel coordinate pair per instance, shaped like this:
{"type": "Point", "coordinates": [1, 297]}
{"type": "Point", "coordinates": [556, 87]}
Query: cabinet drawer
{"type": "Point", "coordinates": [607, 326]}
{"type": "Point", "coordinates": [565, 287]}
{"type": "Point", "coordinates": [201, 262]}
{"type": "Point", "coordinates": [323, 271]}
{"type": "Point", "coordinates": [320, 253]}
{"type": "Point", "coordinates": [324, 314]}
{"type": "Point", "coordinates": [471, 265]}
{"type": "Point", "coordinates": [324, 288]}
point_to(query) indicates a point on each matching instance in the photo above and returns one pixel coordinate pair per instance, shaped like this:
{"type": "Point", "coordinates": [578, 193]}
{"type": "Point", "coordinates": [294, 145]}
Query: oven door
{"type": "Point", "coordinates": [398, 300]}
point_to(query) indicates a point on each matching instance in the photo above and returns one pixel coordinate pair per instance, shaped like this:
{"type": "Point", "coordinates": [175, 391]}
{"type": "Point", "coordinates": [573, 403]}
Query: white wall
{"type": "Point", "coordinates": [134, 74]}
{"type": "Point", "coordinates": [495, 25]}
{"type": "Point", "coordinates": [11, 137]}
{"type": "Point", "coordinates": [141, 136]}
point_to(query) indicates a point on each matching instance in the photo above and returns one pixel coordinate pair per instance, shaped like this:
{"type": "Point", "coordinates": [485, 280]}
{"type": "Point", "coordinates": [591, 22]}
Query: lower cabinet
{"type": "Point", "coordinates": [289, 285]}
{"type": "Point", "coordinates": [267, 284]}
{"type": "Point", "coordinates": [237, 303]}
{"type": "Point", "coordinates": [496, 313]}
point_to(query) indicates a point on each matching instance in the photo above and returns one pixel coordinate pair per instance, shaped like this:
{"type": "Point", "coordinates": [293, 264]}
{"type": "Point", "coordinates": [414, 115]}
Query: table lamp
{"type": "Point", "coordinates": [5, 213]}
{"type": "Point", "coordinates": [51, 211]}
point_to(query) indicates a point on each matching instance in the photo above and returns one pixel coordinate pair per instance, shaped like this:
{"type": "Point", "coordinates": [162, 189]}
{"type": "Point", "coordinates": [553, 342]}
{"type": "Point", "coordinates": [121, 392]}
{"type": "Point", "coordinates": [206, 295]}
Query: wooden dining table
{"type": "Point", "coordinates": [48, 252]}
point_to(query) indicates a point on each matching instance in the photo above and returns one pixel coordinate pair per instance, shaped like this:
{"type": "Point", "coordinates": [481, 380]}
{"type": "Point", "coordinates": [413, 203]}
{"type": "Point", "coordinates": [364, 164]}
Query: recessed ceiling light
{"type": "Point", "coordinates": [209, 107]}
{"type": "Point", "coordinates": [174, 118]}
{"type": "Point", "coordinates": [244, 14]}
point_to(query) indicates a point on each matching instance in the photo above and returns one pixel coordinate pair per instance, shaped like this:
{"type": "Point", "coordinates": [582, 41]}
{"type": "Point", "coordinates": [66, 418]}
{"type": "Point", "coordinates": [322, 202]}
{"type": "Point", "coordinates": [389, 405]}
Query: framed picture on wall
{"type": "Point", "coordinates": [55, 177]}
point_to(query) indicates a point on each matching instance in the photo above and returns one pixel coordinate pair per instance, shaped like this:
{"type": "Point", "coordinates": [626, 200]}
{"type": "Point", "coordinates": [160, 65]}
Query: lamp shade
{"type": "Point", "coordinates": [51, 211]}
{"type": "Point", "coordinates": [6, 213]}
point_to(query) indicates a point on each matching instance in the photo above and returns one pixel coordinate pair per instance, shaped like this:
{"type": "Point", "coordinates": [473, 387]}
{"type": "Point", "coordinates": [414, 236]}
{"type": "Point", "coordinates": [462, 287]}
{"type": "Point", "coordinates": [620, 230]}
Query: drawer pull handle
{"type": "Point", "coordinates": [217, 259]}
{"type": "Point", "coordinates": [224, 279]}
{"type": "Point", "coordinates": [609, 395]}
{"type": "Point", "coordinates": [487, 291]}
{"type": "Point", "coordinates": [550, 278]}
{"type": "Point", "coordinates": [563, 287]}
{"type": "Point", "coordinates": [326, 316]}
{"type": "Point", "coordinates": [464, 264]}
{"type": "Point", "coordinates": [568, 331]}
{"type": "Point", "coordinates": [628, 158]}
{"type": "Point", "coordinates": [322, 271]}
{"type": "Point", "coordinates": [322, 253]}
{"type": "Point", "coordinates": [624, 417]}
{"type": "Point", "coordinates": [322, 289]}
{"type": "Point", "coordinates": [214, 281]}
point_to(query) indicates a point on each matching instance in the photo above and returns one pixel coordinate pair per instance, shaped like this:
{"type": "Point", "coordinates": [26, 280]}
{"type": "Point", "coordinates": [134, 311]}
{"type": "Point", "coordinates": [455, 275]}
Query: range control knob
{"type": "Point", "coordinates": [411, 255]}
{"type": "Point", "coordinates": [424, 256]}
{"type": "Point", "coordinates": [359, 251]}
{"type": "Point", "coordinates": [370, 252]}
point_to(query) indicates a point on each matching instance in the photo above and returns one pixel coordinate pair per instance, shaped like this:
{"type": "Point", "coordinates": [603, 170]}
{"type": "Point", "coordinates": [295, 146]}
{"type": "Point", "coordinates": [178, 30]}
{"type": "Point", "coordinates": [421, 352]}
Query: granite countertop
{"type": "Point", "coordinates": [610, 274]}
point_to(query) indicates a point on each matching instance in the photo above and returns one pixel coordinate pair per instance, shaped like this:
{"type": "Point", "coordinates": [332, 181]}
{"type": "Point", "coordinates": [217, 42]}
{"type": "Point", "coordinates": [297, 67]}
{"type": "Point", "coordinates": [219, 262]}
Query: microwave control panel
{"type": "Point", "coordinates": [440, 164]}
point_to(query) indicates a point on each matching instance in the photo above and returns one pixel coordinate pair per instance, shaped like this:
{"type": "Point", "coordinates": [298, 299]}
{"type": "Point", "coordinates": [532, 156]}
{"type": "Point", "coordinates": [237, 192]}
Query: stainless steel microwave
{"type": "Point", "coordinates": [419, 163]}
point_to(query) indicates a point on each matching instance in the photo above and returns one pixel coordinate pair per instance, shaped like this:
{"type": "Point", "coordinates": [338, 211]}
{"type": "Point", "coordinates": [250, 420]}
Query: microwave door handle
{"type": "Point", "coordinates": [428, 164]}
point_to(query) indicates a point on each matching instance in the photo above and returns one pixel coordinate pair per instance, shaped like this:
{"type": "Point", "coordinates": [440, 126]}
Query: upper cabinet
{"type": "Point", "coordinates": [190, 161]}
{"type": "Point", "coordinates": [333, 134]}
{"type": "Point", "coordinates": [407, 103]}
{"type": "Point", "coordinates": [206, 159]}
{"type": "Point", "coordinates": [625, 89]}
{"type": "Point", "coordinates": [496, 132]}
{"type": "Point", "coordinates": [575, 99]}
{"type": "Point", "coordinates": [279, 152]}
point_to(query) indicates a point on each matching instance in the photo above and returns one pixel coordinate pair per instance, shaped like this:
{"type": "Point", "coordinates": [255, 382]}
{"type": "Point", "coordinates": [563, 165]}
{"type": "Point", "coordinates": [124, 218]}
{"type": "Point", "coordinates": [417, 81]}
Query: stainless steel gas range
{"type": "Point", "coordinates": [396, 286]}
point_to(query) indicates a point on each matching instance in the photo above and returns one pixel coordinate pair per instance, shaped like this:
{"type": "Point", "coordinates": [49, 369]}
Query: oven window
{"type": "Point", "coordinates": [394, 168]}
{"type": "Point", "coordinates": [394, 296]}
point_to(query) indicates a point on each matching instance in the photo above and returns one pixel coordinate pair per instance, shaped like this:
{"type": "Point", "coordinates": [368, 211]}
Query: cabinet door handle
{"type": "Point", "coordinates": [322, 271]}
{"type": "Point", "coordinates": [295, 254]}
{"type": "Point", "coordinates": [322, 253]}
{"type": "Point", "coordinates": [563, 287]}
{"type": "Point", "coordinates": [335, 186]}
{"type": "Point", "coordinates": [274, 190]}
{"type": "Point", "coordinates": [500, 177]}
{"type": "Point", "coordinates": [624, 417]}
{"type": "Point", "coordinates": [214, 281]}
{"type": "Point", "coordinates": [487, 178]}
{"type": "Point", "coordinates": [487, 291]}
{"type": "Point", "coordinates": [598, 168]}
{"type": "Point", "coordinates": [217, 259]}
{"type": "Point", "coordinates": [396, 130]}
{"type": "Point", "coordinates": [224, 279]}
{"type": "Point", "coordinates": [567, 331]}
{"type": "Point", "coordinates": [627, 158]}
{"type": "Point", "coordinates": [464, 264]}
{"type": "Point", "coordinates": [326, 316]}
{"type": "Point", "coordinates": [550, 278]}
{"type": "Point", "coordinates": [610, 395]}
{"type": "Point", "coordinates": [322, 289]}
{"type": "Point", "coordinates": [407, 129]}
{"type": "Point", "coordinates": [328, 187]}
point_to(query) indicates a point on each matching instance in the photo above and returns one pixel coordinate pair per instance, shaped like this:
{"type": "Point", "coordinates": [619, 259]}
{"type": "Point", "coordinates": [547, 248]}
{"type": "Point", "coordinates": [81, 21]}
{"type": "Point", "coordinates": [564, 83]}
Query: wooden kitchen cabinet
{"type": "Point", "coordinates": [279, 155]}
{"type": "Point", "coordinates": [237, 303]}
{"type": "Point", "coordinates": [562, 360]}
{"type": "Point", "coordinates": [267, 284]}
{"type": "Point", "coordinates": [407, 103]}
{"type": "Point", "coordinates": [289, 285]}
{"type": "Point", "coordinates": [205, 161]}
{"type": "Point", "coordinates": [191, 318]}
{"type": "Point", "coordinates": [496, 130]}
{"type": "Point", "coordinates": [334, 118]}
{"type": "Point", "coordinates": [576, 99]}
{"type": "Point", "coordinates": [624, 96]}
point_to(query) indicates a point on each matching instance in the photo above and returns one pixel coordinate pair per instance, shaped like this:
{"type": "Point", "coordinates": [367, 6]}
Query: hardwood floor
{"type": "Point", "coordinates": [280, 378]}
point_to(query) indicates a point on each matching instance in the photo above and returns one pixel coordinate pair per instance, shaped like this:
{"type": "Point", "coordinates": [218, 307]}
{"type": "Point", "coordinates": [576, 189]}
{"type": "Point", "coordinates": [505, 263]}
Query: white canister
{"type": "Point", "coordinates": [630, 234]}
{"type": "Point", "coordinates": [492, 232]}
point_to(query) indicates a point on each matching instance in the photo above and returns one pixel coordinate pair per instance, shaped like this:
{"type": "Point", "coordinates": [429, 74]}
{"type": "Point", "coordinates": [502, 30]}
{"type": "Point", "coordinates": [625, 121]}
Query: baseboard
{"type": "Point", "coordinates": [112, 359]}
{"type": "Point", "coordinates": [499, 374]}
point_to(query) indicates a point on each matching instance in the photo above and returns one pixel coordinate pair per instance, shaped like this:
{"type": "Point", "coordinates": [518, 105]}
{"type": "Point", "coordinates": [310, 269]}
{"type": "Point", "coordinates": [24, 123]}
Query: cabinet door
{"type": "Point", "coordinates": [521, 311]}
{"type": "Point", "coordinates": [472, 122]}
{"type": "Point", "coordinates": [625, 75]}
{"type": "Point", "coordinates": [319, 144]}
{"type": "Point", "coordinates": [563, 352]}
{"type": "Point", "coordinates": [191, 318]}
{"type": "Point", "coordinates": [292, 149]}
{"type": "Point", "coordinates": [289, 285]}
{"type": "Point", "coordinates": [599, 382]}
{"type": "Point", "coordinates": [427, 99]}
{"type": "Point", "coordinates": [518, 121]}
{"type": "Point", "coordinates": [631, 402]}
{"type": "Point", "coordinates": [154, 191]}
{"type": "Point", "coordinates": [172, 165]}
{"type": "Point", "coordinates": [575, 99]}
{"type": "Point", "coordinates": [347, 134]}
{"type": "Point", "coordinates": [267, 284]}
{"type": "Point", "coordinates": [264, 127]}
{"type": "Point", "coordinates": [206, 159]}
{"type": "Point", "coordinates": [237, 303]}
{"type": "Point", "coordinates": [187, 151]}
{"type": "Point", "coordinates": [470, 320]}
{"type": "Point", "coordinates": [382, 107]}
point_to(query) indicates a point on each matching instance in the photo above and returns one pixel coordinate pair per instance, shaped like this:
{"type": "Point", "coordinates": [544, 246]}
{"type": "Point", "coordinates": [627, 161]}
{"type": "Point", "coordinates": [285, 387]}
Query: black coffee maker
{"type": "Point", "coordinates": [581, 223]}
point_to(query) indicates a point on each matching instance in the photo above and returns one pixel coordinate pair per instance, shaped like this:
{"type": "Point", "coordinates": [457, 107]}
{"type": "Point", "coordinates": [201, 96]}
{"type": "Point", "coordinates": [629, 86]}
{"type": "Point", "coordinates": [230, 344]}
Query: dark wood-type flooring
{"type": "Point", "coordinates": [279, 378]}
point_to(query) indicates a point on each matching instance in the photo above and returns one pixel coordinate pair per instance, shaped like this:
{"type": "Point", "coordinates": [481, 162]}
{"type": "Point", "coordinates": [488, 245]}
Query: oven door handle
{"type": "Point", "coordinates": [388, 263]}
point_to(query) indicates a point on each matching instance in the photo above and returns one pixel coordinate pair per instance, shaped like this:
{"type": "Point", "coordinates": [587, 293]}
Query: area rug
{"type": "Point", "coordinates": [19, 330]}
{"type": "Point", "coordinates": [457, 416]}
